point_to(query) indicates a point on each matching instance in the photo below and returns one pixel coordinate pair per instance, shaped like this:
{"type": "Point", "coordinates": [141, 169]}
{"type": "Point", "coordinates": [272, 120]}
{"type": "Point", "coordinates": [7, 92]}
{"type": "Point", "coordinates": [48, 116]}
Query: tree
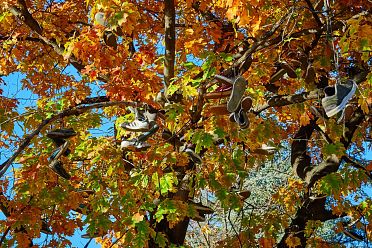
{"type": "Point", "coordinates": [91, 62]}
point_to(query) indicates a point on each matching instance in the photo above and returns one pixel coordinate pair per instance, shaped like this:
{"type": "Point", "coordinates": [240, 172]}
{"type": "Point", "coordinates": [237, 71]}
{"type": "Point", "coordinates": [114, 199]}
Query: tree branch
{"type": "Point", "coordinates": [170, 40]}
{"type": "Point", "coordinates": [313, 12]}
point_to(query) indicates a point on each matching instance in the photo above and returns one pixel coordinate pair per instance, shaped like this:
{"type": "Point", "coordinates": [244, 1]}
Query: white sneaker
{"type": "Point", "coordinates": [136, 126]}
{"type": "Point", "coordinates": [134, 145]}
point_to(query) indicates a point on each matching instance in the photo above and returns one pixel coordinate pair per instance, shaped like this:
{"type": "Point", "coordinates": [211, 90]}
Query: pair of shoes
{"type": "Point", "coordinates": [143, 121]}
{"type": "Point", "coordinates": [337, 96]}
{"type": "Point", "coordinates": [58, 136]}
{"type": "Point", "coordinates": [140, 143]}
{"type": "Point", "coordinates": [240, 115]}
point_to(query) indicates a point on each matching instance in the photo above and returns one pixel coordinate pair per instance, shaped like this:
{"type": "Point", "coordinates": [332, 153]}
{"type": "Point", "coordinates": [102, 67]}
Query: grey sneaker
{"type": "Point", "coordinates": [240, 84]}
{"type": "Point", "coordinates": [337, 96]}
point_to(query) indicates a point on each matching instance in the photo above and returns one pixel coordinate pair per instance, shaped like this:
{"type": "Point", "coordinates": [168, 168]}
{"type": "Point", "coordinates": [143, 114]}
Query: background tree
{"type": "Point", "coordinates": [86, 62]}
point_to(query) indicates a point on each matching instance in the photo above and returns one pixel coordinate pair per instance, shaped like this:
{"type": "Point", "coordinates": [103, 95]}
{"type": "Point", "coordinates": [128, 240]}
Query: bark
{"type": "Point", "coordinates": [170, 40]}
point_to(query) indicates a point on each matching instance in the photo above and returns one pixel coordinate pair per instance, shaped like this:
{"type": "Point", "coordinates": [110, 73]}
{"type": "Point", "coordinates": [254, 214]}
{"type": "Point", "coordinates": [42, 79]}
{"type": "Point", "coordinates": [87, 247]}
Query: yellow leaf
{"type": "Point", "coordinates": [292, 241]}
{"type": "Point", "coordinates": [137, 217]}
{"type": "Point", "coordinates": [363, 105]}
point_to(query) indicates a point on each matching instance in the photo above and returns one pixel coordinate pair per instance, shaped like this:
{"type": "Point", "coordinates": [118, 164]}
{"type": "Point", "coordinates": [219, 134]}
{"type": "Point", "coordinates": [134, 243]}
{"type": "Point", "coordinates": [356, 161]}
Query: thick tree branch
{"type": "Point", "coordinates": [68, 112]}
{"type": "Point", "coordinates": [170, 40]}
{"type": "Point", "coordinates": [283, 100]}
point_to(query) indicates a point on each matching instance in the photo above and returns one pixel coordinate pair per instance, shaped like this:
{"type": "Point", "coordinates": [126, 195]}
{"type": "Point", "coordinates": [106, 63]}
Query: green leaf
{"type": "Point", "coordinates": [202, 139]}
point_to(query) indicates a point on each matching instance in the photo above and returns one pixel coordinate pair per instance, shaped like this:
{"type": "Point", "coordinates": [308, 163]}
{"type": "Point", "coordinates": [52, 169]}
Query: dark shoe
{"type": "Point", "coordinates": [337, 96]}
{"type": "Point", "coordinates": [277, 75]}
{"type": "Point", "coordinates": [201, 211]}
{"type": "Point", "coordinates": [63, 133]}
{"type": "Point", "coordinates": [57, 167]}
{"type": "Point", "coordinates": [240, 84]}
{"type": "Point", "coordinates": [57, 153]}
{"type": "Point", "coordinates": [244, 194]}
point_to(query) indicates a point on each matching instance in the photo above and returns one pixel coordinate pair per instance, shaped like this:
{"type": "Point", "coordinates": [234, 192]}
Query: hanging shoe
{"type": "Point", "coordinates": [136, 125]}
{"type": "Point", "coordinates": [337, 96]}
{"type": "Point", "coordinates": [63, 133]}
{"type": "Point", "coordinates": [241, 118]}
{"type": "Point", "coordinates": [134, 144]}
{"type": "Point", "coordinates": [239, 86]}
{"type": "Point", "coordinates": [201, 211]}
{"type": "Point", "coordinates": [57, 167]}
{"type": "Point", "coordinates": [193, 156]}
{"type": "Point", "coordinates": [244, 194]}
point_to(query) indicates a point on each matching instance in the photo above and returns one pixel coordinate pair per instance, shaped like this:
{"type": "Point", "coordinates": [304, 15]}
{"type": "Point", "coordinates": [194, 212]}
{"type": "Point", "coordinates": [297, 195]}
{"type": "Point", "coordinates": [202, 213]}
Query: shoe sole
{"type": "Point", "coordinates": [240, 84]}
{"type": "Point", "coordinates": [343, 103]}
{"type": "Point", "coordinates": [247, 104]}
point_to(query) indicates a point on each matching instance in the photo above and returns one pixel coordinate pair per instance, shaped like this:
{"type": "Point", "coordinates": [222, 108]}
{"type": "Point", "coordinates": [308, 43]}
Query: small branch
{"type": "Point", "coordinates": [170, 40]}
{"type": "Point", "coordinates": [4, 235]}
{"type": "Point", "coordinates": [348, 160]}
{"type": "Point", "coordinates": [68, 112]}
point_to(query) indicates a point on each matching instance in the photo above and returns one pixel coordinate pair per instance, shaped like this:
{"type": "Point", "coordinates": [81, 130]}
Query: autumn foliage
{"type": "Point", "coordinates": [85, 73]}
